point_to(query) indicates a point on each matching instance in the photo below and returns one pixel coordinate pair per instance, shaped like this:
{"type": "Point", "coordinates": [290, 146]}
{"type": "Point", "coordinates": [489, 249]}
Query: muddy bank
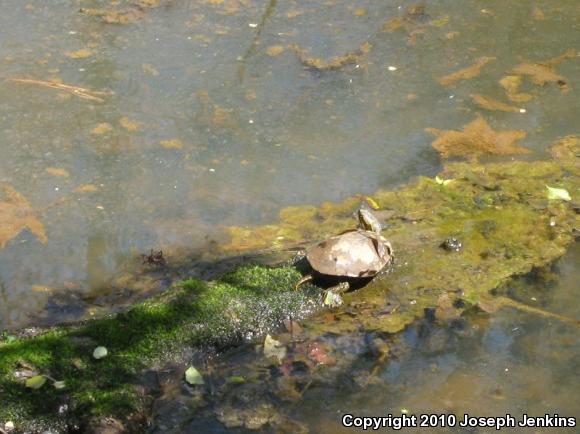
{"type": "Point", "coordinates": [507, 220]}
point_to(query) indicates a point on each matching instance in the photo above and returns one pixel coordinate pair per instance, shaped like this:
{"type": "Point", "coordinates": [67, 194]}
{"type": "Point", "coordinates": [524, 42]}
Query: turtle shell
{"type": "Point", "coordinates": [351, 254]}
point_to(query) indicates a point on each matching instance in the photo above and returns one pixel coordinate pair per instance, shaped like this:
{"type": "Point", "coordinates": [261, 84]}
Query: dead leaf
{"type": "Point", "coordinates": [511, 84]}
{"type": "Point", "coordinates": [275, 50]}
{"type": "Point", "coordinates": [128, 124]}
{"type": "Point", "coordinates": [294, 13]}
{"type": "Point", "coordinates": [149, 70]}
{"type": "Point", "coordinates": [476, 139]}
{"type": "Point", "coordinates": [171, 144]}
{"type": "Point", "coordinates": [542, 73]}
{"type": "Point", "coordinates": [86, 188]}
{"type": "Point", "coordinates": [55, 171]}
{"type": "Point", "coordinates": [109, 16]}
{"type": "Point", "coordinates": [102, 128]}
{"type": "Point", "coordinates": [538, 14]}
{"type": "Point", "coordinates": [360, 12]}
{"type": "Point", "coordinates": [335, 62]}
{"type": "Point", "coordinates": [492, 104]}
{"type": "Point", "coordinates": [466, 73]}
{"type": "Point", "coordinates": [83, 53]}
{"type": "Point", "coordinates": [16, 215]}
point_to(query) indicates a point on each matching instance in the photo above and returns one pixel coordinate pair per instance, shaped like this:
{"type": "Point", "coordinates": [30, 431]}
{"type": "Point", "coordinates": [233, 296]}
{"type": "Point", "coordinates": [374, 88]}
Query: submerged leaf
{"type": "Point", "coordinates": [466, 73]}
{"type": "Point", "coordinates": [274, 348]}
{"type": "Point", "coordinates": [193, 377]}
{"type": "Point", "coordinates": [477, 138]}
{"type": "Point", "coordinates": [16, 215]}
{"type": "Point", "coordinates": [558, 194]}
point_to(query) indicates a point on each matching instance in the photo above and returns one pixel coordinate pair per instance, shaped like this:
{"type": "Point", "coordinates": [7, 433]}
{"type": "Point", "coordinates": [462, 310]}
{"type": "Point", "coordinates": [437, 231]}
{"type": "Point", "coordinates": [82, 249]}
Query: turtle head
{"type": "Point", "coordinates": [367, 220]}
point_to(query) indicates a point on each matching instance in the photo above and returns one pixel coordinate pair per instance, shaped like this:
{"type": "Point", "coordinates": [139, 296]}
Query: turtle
{"type": "Point", "coordinates": [354, 255]}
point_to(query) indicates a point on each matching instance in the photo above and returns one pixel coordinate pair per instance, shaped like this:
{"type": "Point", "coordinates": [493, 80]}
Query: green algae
{"type": "Point", "coordinates": [500, 212]}
{"type": "Point", "coordinates": [247, 302]}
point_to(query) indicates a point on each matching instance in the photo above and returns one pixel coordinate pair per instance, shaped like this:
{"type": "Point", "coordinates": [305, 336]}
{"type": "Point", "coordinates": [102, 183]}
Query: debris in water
{"type": "Point", "coordinates": [466, 73]}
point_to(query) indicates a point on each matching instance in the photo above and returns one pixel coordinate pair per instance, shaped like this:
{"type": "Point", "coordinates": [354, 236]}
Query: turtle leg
{"type": "Point", "coordinates": [341, 288]}
{"type": "Point", "coordinates": [305, 279]}
{"type": "Point", "coordinates": [331, 296]}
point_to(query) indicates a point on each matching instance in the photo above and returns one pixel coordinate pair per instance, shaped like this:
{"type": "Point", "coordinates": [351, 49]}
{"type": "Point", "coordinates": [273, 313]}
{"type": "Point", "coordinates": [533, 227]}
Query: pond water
{"type": "Point", "coordinates": [511, 362]}
{"type": "Point", "coordinates": [222, 112]}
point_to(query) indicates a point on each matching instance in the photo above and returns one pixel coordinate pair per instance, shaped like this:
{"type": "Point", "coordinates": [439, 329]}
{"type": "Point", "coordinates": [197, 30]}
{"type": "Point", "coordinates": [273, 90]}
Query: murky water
{"type": "Point", "coordinates": [214, 119]}
{"type": "Point", "coordinates": [510, 362]}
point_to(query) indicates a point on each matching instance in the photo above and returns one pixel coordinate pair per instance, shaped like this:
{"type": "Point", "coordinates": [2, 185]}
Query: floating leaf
{"type": "Point", "coordinates": [193, 377]}
{"type": "Point", "coordinates": [332, 299]}
{"type": "Point", "coordinates": [558, 193]}
{"type": "Point", "coordinates": [100, 352]}
{"type": "Point", "coordinates": [274, 348]}
{"type": "Point", "coordinates": [36, 382]}
{"type": "Point", "coordinates": [59, 385]}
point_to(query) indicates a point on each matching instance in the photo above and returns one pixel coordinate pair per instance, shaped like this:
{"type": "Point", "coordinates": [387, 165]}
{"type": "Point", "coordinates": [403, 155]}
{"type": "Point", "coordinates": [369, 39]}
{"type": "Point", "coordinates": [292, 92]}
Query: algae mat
{"type": "Point", "coordinates": [504, 214]}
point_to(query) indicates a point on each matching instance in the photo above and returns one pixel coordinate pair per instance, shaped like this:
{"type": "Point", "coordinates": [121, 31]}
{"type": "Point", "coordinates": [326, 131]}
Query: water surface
{"type": "Point", "coordinates": [214, 120]}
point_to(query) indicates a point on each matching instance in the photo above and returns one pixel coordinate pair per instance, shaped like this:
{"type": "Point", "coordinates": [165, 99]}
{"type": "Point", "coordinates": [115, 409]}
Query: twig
{"type": "Point", "coordinates": [81, 92]}
{"type": "Point", "coordinates": [505, 301]}
{"type": "Point", "coordinates": [254, 45]}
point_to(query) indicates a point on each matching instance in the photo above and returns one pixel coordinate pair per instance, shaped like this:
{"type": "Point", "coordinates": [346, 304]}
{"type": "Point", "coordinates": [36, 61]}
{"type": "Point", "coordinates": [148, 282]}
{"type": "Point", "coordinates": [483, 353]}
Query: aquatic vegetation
{"type": "Point", "coordinates": [477, 138]}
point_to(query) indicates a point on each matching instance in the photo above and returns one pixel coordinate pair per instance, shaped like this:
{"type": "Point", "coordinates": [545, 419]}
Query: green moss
{"type": "Point", "coordinates": [247, 302]}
